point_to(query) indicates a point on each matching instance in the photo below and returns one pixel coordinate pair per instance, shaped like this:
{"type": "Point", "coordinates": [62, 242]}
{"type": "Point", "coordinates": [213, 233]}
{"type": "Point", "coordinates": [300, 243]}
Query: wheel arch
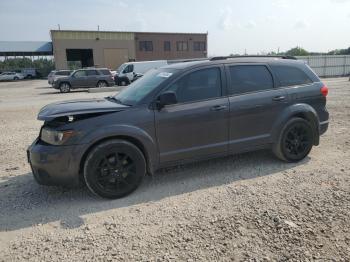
{"type": "Point", "coordinates": [303, 111]}
{"type": "Point", "coordinates": [131, 139]}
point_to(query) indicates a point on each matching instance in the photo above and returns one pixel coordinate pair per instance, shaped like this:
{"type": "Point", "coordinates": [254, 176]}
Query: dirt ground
{"type": "Point", "coordinates": [244, 207]}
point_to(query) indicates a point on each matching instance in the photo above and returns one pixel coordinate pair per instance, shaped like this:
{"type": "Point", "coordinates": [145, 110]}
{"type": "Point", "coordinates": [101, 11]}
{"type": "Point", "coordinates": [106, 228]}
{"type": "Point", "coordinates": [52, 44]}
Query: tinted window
{"type": "Point", "coordinates": [80, 73]}
{"type": "Point", "coordinates": [181, 46]}
{"type": "Point", "coordinates": [91, 72]}
{"type": "Point", "coordinates": [166, 45]}
{"type": "Point", "coordinates": [129, 69]}
{"type": "Point", "coordinates": [250, 78]}
{"type": "Point", "coordinates": [105, 72]}
{"type": "Point", "coordinates": [63, 73]}
{"type": "Point", "coordinates": [199, 85]}
{"type": "Point", "coordinates": [291, 76]}
{"type": "Point", "coordinates": [146, 45]}
{"type": "Point", "coordinates": [199, 46]}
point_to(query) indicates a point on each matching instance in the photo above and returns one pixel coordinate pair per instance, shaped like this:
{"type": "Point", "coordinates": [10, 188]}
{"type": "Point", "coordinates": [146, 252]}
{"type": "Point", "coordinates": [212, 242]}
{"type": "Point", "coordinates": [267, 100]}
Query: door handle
{"type": "Point", "coordinates": [279, 98]}
{"type": "Point", "coordinates": [218, 108]}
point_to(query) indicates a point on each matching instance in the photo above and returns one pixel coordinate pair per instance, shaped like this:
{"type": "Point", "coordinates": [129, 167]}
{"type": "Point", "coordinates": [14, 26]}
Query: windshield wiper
{"type": "Point", "coordinates": [116, 100]}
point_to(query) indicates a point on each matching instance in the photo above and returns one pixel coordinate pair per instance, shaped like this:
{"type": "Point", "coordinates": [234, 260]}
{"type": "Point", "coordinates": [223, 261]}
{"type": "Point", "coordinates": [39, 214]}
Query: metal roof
{"type": "Point", "coordinates": [25, 47]}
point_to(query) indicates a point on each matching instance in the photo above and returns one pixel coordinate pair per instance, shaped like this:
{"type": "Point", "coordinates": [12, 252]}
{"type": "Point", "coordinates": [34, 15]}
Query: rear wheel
{"type": "Point", "coordinates": [102, 84]}
{"type": "Point", "coordinates": [114, 169]}
{"type": "Point", "coordinates": [64, 87]}
{"type": "Point", "coordinates": [15, 78]}
{"type": "Point", "coordinates": [295, 142]}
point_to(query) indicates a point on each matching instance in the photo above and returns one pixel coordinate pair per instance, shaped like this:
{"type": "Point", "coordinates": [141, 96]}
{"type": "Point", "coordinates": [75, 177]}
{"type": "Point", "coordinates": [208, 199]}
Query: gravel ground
{"type": "Point", "coordinates": [244, 207]}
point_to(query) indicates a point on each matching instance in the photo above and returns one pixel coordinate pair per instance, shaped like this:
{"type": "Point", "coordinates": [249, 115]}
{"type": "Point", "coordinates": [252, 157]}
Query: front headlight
{"type": "Point", "coordinates": [55, 137]}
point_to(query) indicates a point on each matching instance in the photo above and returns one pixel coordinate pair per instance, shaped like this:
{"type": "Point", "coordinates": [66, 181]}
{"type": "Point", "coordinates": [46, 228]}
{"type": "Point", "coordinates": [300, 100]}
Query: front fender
{"type": "Point", "coordinates": [127, 131]}
{"type": "Point", "coordinates": [297, 110]}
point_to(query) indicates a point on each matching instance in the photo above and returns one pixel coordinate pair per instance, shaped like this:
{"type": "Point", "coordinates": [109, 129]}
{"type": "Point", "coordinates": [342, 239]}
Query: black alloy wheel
{"type": "Point", "coordinates": [114, 169]}
{"type": "Point", "coordinates": [296, 141]}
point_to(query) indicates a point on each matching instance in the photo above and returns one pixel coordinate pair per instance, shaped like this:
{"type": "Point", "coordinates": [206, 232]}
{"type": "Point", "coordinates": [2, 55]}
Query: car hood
{"type": "Point", "coordinates": [78, 107]}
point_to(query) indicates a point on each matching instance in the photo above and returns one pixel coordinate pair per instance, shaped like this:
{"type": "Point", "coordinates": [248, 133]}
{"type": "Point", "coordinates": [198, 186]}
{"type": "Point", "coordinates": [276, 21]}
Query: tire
{"type": "Point", "coordinates": [114, 169]}
{"type": "Point", "coordinates": [29, 76]}
{"type": "Point", "coordinates": [15, 78]}
{"type": "Point", "coordinates": [295, 141]}
{"type": "Point", "coordinates": [102, 84]}
{"type": "Point", "coordinates": [124, 82]}
{"type": "Point", "coordinates": [65, 88]}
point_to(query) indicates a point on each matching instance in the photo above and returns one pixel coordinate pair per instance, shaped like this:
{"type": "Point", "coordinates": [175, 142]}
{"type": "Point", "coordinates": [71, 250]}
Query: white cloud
{"type": "Point", "coordinates": [226, 22]}
{"type": "Point", "coordinates": [340, 1]}
{"type": "Point", "coordinates": [250, 24]}
{"type": "Point", "coordinates": [270, 19]}
{"type": "Point", "coordinates": [122, 4]}
{"type": "Point", "coordinates": [281, 3]}
{"type": "Point", "coordinates": [301, 24]}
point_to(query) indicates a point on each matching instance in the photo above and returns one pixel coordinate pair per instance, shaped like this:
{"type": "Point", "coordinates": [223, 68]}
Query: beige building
{"type": "Point", "coordinates": [76, 49]}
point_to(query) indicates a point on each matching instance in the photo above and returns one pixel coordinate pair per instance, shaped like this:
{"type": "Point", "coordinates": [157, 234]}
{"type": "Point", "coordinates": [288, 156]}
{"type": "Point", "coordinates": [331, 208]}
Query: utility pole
{"type": "Point", "coordinates": [59, 27]}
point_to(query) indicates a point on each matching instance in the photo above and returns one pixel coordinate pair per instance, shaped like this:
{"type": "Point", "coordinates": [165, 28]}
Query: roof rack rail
{"type": "Point", "coordinates": [252, 56]}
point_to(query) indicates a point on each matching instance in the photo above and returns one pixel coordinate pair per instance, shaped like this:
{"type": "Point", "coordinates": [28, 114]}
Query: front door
{"type": "Point", "coordinates": [197, 125]}
{"type": "Point", "coordinates": [79, 79]}
{"type": "Point", "coordinates": [255, 104]}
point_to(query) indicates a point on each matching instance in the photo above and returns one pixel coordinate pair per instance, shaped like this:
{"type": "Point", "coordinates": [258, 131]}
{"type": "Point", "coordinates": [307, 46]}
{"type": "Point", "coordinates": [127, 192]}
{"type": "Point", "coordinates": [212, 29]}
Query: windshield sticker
{"type": "Point", "coordinates": [164, 74]}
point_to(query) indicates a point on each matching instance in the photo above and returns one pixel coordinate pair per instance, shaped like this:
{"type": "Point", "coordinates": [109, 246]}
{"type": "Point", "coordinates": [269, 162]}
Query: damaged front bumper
{"type": "Point", "coordinates": [55, 165]}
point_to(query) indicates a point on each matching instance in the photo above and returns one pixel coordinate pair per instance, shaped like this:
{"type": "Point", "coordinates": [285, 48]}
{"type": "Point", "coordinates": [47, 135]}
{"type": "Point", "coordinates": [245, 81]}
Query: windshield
{"type": "Point", "coordinates": [121, 68]}
{"type": "Point", "coordinates": [143, 86]}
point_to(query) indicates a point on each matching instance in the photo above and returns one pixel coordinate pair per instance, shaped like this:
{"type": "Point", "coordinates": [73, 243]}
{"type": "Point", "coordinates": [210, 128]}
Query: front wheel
{"type": "Point", "coordinates": [64, 88]}
{"type": "Point", "coordinates": [296, 140]}
{"type": "Point", "coordinates": [15, 78]}
{"type": "Point", "coordinates": [114, 169]}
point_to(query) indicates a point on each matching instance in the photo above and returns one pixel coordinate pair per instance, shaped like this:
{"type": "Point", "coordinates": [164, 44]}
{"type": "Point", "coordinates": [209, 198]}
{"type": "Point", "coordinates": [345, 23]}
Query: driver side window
{"type": "Point", "coordinates": [128, 69]}
{"type": "Point", "coordinates": [199, 85]}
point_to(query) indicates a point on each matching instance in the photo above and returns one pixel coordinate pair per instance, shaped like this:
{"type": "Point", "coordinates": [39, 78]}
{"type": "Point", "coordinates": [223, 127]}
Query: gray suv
{"type": "Point", "coordinates": [91, 77]}
{"type": "Point", "coordinates": [177, 114]}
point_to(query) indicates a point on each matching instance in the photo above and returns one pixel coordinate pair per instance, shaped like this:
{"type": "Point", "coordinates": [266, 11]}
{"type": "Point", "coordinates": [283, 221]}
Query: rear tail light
{"type": "Point", "coordinates": [324, 91]}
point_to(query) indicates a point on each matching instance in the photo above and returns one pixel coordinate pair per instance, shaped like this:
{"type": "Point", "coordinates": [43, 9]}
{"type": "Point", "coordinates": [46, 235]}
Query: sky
{"type": "Point", "coordinates": [252, 26]}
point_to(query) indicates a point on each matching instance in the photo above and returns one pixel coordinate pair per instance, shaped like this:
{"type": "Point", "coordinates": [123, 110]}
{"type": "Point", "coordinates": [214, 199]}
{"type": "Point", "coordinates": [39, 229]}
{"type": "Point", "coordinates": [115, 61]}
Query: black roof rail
{"type": "Point", "coordinates": [252, 56]}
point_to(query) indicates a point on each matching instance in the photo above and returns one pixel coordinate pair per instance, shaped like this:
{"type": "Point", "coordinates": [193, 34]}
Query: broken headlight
{"type": "Point", "coordinates": [55, 137]}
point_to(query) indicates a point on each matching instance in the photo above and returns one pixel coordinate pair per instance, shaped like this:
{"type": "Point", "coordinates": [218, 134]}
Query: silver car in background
{"type": "Point", "coordinates": [8, 76]}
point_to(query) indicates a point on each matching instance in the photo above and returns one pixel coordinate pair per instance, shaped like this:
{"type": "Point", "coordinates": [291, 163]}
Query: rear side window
{"type": "Point", "coordinates": [249, 78]}
{"type": "Point", "coordinates": [105, 72]}
{"type": "Point", "coordinates": [63, 73]}
{"type": "Point", "coordinates": [291, 76]}
{"type": "Point", "coordinates": [91, 72]}
{"type": "Point", "coordinates": [200, 85]}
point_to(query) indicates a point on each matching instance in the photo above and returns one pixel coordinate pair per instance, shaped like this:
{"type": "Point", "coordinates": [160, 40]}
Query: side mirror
{"type": "Point", "coordinates": [167, 98]}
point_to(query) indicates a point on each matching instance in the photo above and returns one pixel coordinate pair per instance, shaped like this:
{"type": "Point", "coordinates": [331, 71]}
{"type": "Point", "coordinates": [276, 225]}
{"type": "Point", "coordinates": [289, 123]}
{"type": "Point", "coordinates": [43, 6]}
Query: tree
{"type": "Point", "coordinates": [297, 51]}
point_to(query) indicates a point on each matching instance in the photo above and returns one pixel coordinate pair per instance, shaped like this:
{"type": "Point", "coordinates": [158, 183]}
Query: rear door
{"type": "Point", "coordinates": [92, 77]}
{"type": "Point", "coordinates": [255, 103]}
{"type": "Point", "coordinates": [197, 126]}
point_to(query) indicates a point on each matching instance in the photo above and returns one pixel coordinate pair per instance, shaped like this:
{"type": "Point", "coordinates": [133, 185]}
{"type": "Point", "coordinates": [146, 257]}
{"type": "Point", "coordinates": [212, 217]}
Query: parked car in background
{"type": "Point", "coordinates": [8, 76]}
{"type": "Point", "coordinates": [29, 73]}
{"type": "Point", "coordinates": [82, 78]}
{"type": "Point", "coordinates": [181, 113]}
{"type": "Point", "coordinates": [56, 74]}
{"type": "Point", "coordinates": [129, 72]}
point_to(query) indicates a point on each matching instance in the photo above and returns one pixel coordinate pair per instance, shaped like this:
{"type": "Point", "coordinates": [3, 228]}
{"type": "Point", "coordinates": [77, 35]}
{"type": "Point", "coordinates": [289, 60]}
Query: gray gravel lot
{"type": "Point", "coordinates": [243, 207]}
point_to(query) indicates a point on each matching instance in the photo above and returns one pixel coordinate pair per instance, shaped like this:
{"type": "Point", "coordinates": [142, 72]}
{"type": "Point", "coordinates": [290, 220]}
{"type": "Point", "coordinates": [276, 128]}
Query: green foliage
{"type": "Point", "coordinates": [340, 52]}
{"type": "Point", "coordinates": [43, 65]}
{"type": "Point", "coordinates": [297, 51]}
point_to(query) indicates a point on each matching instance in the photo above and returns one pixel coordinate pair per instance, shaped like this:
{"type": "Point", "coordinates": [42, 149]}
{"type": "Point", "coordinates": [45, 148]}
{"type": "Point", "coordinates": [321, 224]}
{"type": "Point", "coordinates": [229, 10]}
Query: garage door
{"type": "Point", "coordinates": [114, 57]}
